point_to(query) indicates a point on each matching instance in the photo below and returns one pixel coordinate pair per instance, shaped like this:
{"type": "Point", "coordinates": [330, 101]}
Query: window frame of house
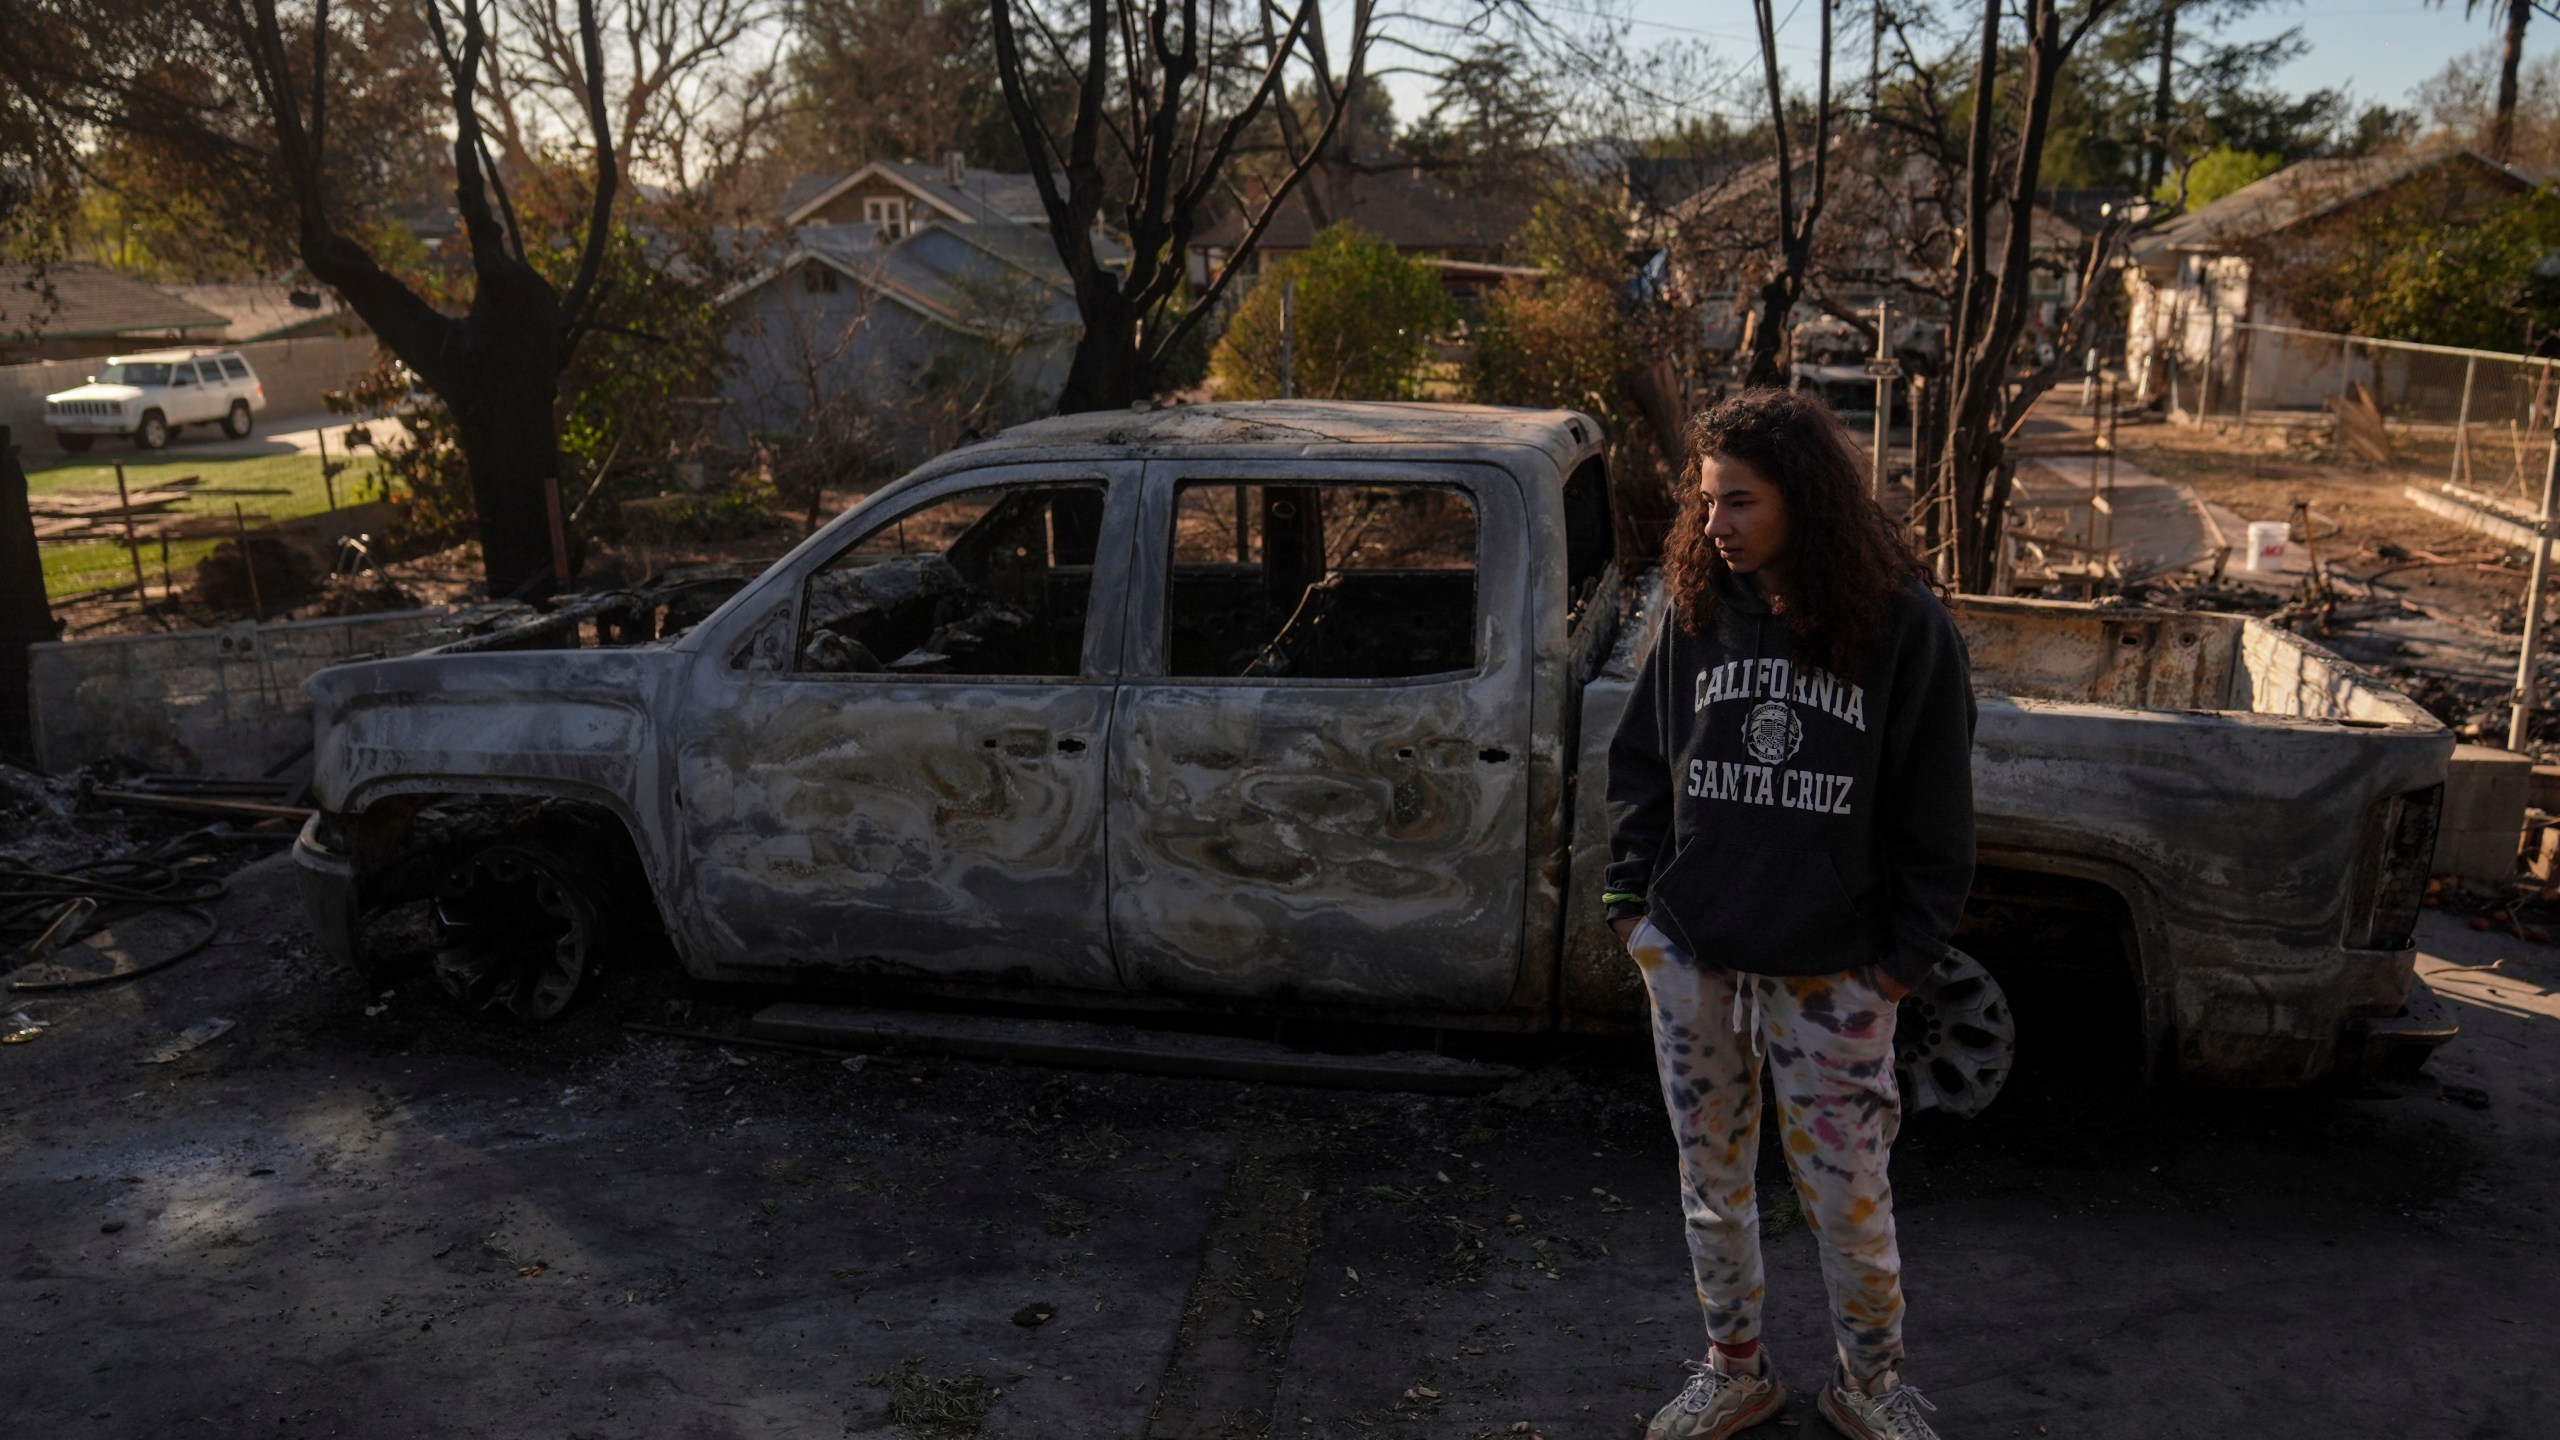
{"type": "Point", "coordinates": [890, 214]}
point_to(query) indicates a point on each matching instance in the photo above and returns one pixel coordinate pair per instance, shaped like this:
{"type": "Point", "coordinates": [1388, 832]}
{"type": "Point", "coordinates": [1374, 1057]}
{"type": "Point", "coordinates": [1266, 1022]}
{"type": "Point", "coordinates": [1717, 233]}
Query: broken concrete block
{"type": "Point", "coordinates": [2485, 791]}
{"type": "Point", "coordinates": [2540, 852]}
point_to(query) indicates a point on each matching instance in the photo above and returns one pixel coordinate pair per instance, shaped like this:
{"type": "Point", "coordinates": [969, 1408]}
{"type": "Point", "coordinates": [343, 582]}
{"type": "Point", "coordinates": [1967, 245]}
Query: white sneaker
{"type": "Point", "coordinates": [1891, 1411]}
{"type": "Point", "coordinates": [1718, 1403]}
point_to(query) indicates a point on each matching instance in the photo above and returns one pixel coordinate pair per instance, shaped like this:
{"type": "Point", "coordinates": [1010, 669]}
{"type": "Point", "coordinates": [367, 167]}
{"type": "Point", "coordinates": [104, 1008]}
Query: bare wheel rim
{"type": "Point", "coordinates": [1955, 1039]}
{"type": "Point", "coordinates": [513, 933]}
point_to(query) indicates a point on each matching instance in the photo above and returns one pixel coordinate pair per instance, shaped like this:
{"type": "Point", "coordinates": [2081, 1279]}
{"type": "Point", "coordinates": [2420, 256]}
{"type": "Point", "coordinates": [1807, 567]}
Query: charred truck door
{"type": "Point", "coordinates": [913, 783]}
{"type": "Point", "coordinates": [1320, 764]}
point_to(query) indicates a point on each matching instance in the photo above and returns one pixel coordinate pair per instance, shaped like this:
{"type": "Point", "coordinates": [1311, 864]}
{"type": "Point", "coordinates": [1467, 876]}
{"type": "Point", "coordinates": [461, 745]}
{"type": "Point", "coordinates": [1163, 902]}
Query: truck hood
{"type": "Point", "coordinates": [127, 393]}
{"type": "Point", "coordinates": [525, 722]}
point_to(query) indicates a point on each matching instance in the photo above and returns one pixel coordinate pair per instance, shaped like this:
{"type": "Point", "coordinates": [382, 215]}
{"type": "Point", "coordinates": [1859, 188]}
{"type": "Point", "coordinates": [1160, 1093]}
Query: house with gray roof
{"type": "Point", "coordinates": [950, 324]}
{"type": "Point", "coordinates": [2191, 280]}
{"type": "Point", "coordinates": [71, 311]}
{"type": "Point", "coordinates": [1464, 234]}
{"type": "Point", "coordinates": [894, 197]}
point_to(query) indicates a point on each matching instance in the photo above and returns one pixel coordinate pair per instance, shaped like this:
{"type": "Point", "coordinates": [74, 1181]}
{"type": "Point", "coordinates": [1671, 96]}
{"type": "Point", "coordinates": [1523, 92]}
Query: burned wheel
{"type": "Point", "coordinates": [518, 928]}
{"type": "Point", "coordinates": [1955, 1040]}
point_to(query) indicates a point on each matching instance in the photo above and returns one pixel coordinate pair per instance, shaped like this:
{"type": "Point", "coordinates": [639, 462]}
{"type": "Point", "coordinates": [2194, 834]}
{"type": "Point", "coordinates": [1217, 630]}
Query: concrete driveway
{"type": "Point", "coordinates": [275, 435]}
{"type": "Point", "coordinates": [359, 1214]}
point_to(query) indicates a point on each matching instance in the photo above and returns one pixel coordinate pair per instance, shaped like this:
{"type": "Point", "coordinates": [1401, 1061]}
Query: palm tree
{"type": "Point", "coordinates": [2513, 14]}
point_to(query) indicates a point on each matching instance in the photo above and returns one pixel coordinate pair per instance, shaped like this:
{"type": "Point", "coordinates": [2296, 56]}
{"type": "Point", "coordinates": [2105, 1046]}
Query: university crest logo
{"type": "Point", "coordinates": [1771, 732]}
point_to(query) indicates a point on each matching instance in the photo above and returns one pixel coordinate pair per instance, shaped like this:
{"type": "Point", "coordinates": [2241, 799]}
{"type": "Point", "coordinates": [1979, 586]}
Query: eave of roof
{"type": "Point", "coordinates": [881, 275]}
{"type": "Point", "coordinates": [2209, 229]}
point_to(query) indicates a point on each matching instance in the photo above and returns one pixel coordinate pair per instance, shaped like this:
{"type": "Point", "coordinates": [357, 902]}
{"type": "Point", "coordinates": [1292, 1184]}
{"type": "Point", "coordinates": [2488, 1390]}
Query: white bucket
{"type": "Point", "coordinates": [2268, 544]}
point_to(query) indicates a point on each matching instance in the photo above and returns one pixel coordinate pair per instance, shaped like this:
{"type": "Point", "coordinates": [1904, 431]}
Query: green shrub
{"type": "Point", "coordinates": [1366, 321]}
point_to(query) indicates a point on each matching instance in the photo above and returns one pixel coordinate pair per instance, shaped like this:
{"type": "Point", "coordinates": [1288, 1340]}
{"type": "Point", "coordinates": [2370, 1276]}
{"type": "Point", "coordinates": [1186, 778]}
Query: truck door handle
{"type": "Point", "coordinates": [1070, 745]}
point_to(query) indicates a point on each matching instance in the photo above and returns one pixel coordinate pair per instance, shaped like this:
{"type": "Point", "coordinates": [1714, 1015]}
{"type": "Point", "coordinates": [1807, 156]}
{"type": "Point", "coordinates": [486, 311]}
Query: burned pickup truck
{"type": "Point", "coordinates": [1298, 708]}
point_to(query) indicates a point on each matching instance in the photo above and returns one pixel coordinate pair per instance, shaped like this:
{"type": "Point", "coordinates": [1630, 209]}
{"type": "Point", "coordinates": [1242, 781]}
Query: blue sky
{"type": "Point", "coordinates": [2378, 49]}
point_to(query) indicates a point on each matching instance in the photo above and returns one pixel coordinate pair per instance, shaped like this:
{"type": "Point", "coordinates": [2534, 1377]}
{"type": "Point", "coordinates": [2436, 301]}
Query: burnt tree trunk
{"type": "Point", "coordinates": [2502, 124]}
{"type": "Point", "coordinates": [1778, 294]}
{"type": "Point", "coordinates": [2163, 98]}
{"type": "Point", "coordinates": [25, 617]}
{"type": "Point", "coordinates": [1990, 314]}
{"type": "Point", "coordinates": [497, 367]}
{"type": "Point", "coordinates": [1106, 372]}
{"type": "Point", "coordinates": [1162, 110]}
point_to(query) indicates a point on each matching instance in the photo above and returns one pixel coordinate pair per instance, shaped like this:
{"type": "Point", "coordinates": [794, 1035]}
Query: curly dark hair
{"type": "Point", "coordinates": [1848, 560]}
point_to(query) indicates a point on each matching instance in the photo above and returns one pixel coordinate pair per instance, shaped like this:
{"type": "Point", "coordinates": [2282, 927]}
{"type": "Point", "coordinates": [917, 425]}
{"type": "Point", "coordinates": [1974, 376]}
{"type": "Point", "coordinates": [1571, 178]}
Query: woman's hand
{"type": "Point", "coordinates": [1891, 989]}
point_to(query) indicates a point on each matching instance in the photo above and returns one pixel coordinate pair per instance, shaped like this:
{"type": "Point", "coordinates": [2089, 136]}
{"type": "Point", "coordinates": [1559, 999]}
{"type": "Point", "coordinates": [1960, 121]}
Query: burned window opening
{"type": "Point", "coordinates": [1590, 536]}
{"type": "Point", "coordinates": [988, 582]}
{"type": "Point", "coordinates": [1330, 581]}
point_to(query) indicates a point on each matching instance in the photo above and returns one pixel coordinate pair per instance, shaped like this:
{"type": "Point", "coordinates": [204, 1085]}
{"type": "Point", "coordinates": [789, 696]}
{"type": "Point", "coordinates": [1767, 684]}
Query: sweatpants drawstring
{"type": "Point", "coordinates": [1750, 983]}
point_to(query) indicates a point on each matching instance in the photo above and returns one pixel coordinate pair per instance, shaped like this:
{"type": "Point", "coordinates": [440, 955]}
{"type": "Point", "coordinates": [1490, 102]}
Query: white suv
{"type": "Point", "coordinates": [149, 396]}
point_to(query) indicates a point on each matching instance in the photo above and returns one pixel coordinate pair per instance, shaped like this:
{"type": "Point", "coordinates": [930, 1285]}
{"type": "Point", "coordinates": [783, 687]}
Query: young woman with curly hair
{"type": "Point", "coordinates": [1791, 795]}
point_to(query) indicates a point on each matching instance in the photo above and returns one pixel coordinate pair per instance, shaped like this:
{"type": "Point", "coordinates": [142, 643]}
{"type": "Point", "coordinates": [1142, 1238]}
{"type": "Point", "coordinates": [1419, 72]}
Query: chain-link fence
{"type": "Point", "coordinates": [2480, 418]}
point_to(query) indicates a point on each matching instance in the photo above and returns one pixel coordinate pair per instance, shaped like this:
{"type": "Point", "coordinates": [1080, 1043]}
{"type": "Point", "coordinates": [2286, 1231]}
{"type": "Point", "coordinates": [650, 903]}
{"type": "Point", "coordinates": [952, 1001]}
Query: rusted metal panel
{"type": "Point", "coordinates": [2148, 660]}
{"type": "Point", "coordinates": [946, 826]}
{"type": "Point", "coordinates": [1326, 839]}
{"type": "Point", "coordinates": [847, 823]}
{"type": "Point", "coordinates": [2244, 795]}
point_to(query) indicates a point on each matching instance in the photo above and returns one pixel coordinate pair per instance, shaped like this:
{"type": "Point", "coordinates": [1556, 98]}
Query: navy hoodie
{"type": "Point", "coordinates": [1774, 818]}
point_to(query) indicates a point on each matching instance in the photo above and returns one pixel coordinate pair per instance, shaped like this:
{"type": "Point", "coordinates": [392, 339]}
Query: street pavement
{"type": "Point", "coordinates": [359, 1213]}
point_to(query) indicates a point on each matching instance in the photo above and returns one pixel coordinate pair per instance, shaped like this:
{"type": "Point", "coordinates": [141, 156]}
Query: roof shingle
{"type": "Point", "coordinates": [75, 302]}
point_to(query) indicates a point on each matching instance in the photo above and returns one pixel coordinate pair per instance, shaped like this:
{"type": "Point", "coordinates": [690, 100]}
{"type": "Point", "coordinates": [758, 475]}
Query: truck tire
{"type": "Point", "coordinates": [1954, 1041]}
{"type": "Point", "coordinates": [76, 444]}
{"type": "Point", "coordinates": [520, 928]}
{"type": "Point", "coordinates": [153, 432]}
{"type": "Point", "coordinates": [236, 420]}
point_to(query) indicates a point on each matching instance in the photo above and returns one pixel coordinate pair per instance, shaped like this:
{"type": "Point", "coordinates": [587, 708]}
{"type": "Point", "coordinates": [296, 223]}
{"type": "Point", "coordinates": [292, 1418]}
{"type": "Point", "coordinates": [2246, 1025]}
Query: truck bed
{"type": "Point", "coordinates": [2249, 817]}
{"type": "Point", "coordinates": [2168, 660]}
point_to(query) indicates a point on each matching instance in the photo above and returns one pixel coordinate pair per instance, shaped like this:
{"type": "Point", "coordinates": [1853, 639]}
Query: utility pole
{"type": "Point", "coordinates": [1875, 62]}
{"type": "Point", "coordinates": [2525, 690]}
{"type": "Point", "coordinates": [1885, 369]}
{"type": "Point", "coordinates": [1288, 337]}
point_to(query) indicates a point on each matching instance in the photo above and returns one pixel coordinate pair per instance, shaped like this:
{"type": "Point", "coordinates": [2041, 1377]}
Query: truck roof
{"type": "Point", "coordinates": [1295, 425]}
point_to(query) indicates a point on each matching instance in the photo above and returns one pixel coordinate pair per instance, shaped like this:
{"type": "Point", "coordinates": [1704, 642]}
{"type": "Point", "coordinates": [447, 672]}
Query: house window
{"type": "Point", "coordinates": [819, 279]}
{"type": "Point", "coordinates": [890, 215]}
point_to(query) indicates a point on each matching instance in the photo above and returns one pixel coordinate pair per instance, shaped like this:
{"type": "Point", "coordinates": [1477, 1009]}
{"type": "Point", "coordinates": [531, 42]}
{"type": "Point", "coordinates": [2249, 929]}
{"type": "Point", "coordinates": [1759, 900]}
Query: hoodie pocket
{"type": "Point", "coordinates": [1763, 910]}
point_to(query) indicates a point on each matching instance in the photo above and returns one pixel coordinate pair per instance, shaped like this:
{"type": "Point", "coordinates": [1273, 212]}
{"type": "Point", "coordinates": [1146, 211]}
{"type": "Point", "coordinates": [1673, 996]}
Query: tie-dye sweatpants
{"type": "Point", "coordinates": [1828, 1040]}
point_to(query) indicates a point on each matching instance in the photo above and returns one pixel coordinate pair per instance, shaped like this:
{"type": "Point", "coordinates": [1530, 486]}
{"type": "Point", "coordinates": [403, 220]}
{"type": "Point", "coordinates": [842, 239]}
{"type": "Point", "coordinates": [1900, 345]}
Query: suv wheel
{"type": "Point", "coordinates": [236, 423]}
{"type": "Point", "coordinates": [1954, 1040]}
{"type": "Point", "coordinates": [519, 927]}
{"type": "Point", "coordinates": [76, 444]}
{"type": "Point", "coordinates": [153, 432]}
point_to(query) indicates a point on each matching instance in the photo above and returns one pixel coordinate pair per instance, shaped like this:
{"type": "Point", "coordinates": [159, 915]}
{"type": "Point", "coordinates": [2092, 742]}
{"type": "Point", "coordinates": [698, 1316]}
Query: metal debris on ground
{"type": "Point", "coordinates": [22, 1027]}
{"type": "Point", "coordinates": [194, 1037]}
{"type": "Point", "coordinates": [153, 905]}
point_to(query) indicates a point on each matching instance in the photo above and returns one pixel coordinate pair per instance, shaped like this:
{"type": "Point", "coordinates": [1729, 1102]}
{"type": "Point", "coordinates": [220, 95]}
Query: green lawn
{"type": "Point", "coordinates": [73, 569]}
